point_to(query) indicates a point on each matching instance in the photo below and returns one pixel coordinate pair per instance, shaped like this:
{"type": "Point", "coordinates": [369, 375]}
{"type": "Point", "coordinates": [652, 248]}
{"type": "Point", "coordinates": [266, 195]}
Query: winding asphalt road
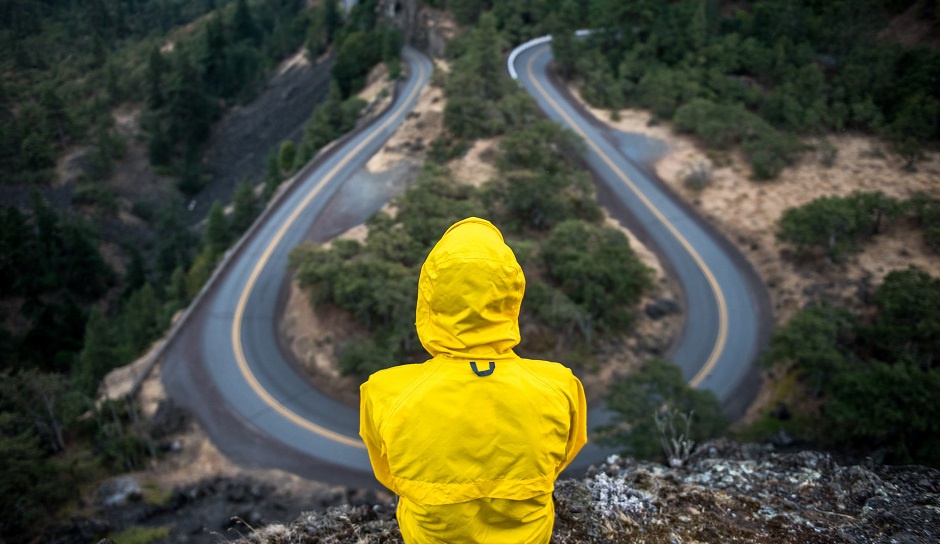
{"type": "Point", "coordinates": [726, 305]}
{"type": "Point", "coordinates": [225, 364]}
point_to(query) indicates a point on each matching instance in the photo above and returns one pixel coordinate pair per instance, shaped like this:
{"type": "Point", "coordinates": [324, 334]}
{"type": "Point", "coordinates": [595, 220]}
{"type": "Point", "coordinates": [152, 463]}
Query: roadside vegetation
{"type": "Point", "coordinates": [75, 306]}
{"type": "Point", "coordinates": [758, 75]}
{"type": "Point", "coordinates": [657, 414]}
{"type": "Point", "coordinates": [859, 378]}
{"type": "Point", "coordinates": [583, 279]}
{"type": "Point", "coordinates": [868, 377]}
{"type": "Point", "coordinates": [837, 227]}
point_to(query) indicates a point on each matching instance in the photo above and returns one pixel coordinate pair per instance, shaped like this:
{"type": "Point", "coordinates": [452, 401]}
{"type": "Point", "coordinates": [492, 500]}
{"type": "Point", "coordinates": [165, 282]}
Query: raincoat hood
{"type": "Point", "coordinates": [469, 294]}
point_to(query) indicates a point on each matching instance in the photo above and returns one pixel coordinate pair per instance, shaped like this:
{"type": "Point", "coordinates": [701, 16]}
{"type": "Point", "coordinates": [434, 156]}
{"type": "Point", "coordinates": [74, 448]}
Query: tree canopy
{"type": "Point", "coordinates": [800, 67]}
{"type": "Point", "coordinates": [837, 225]}
{"type": "Point", "coordinates": [874, 369]}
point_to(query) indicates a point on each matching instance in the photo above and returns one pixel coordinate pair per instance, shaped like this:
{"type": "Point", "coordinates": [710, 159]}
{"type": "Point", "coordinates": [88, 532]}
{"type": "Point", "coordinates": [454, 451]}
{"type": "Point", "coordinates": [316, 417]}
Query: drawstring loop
{"type": "Point", "coordinates": [482, 373]}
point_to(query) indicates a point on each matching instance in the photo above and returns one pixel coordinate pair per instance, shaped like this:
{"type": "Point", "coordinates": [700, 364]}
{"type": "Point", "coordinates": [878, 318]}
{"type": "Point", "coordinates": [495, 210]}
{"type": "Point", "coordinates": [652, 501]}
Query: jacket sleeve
{"type": "Point", "coordinates": [368, 430]}
{"type": "Point", "coordinates": [577, 431]}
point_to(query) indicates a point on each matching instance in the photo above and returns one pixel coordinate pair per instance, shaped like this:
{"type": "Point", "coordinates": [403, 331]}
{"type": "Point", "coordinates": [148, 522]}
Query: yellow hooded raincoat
{"type": "Point", "coordinates": [472, 440]}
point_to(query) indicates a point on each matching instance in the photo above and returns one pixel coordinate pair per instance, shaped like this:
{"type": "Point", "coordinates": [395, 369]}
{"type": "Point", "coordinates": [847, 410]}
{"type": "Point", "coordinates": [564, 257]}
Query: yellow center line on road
{"type": "Point", "coordinates": [265, 257]}
{"type": "Point", "coordinates": [716, 289]}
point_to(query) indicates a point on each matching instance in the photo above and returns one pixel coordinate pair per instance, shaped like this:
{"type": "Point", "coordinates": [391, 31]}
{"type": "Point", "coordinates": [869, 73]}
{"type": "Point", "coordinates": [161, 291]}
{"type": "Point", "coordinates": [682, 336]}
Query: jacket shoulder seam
{"type": "Point", "coordinates": [552, 386]}
{"type": "Point", "coordinates": [407, 393]}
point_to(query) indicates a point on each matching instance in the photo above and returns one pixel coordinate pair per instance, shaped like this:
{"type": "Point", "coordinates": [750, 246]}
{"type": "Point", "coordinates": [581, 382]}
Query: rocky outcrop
{"type": "Point", "coordinates": [423, 27]}
{"type": "Point", "coordinates": [726, 492]}
{"type": "Point", "coordinates": [209, 511]}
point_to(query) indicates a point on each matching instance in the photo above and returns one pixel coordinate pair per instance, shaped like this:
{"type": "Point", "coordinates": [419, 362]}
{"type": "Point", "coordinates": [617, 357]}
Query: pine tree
{"type": "Point", "coordinates": [18, 259]}
{"type": "Point", "coordinates": [38, 397]}
{"type": "Point", "coordinates": [698, 28]}
{"type": "Point", "coordinates": [156, 67]}
{"type": "Point", "coordinates": [215, 60]}
{"type": "Point", "coordinates": [30, 485]}
{"type": "Point", "coordinates": [486, 51]}
{"type": "Point", "coordinates": [243, 24]}
{"type": "Point", "coordinates": [272, 174]}
{"type": "Point", "coordinates": [287, 156]}
{"type": "Point", "coordinates": [467, 11]}
{"type": "Point", "coordinates": [175, 242]}
{"type": "Point", "coordinates": [82, 268]}
{"type": "Point", "coordinates": [48, 244]}
{"type": "Point", "coordinates": [246, 208]}
{"type": "Point", "coordinates": [177, 290]}
{"type": "Point", "coordinates": [332, 19]}
{"type": "Point", "coordinates": [563, 25]}
{"type": "Point", "coordinates": [188, 105]}
{"type": "Point", "coordinates": [217, 230]}
{"type": "Point", "coordinates": [98, 354]}
{"type": "Point", "coordinates": [136, 275]}
{"type": "Point", "coordinates": [140, 321]}
{"type": "Point", "coordinates": [57, 119]}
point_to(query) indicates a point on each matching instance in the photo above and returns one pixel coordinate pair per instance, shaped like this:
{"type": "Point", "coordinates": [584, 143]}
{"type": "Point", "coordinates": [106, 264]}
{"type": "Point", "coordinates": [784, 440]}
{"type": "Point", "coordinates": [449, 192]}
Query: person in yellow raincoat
{"type": "Point", "coordinates": [473, 439]}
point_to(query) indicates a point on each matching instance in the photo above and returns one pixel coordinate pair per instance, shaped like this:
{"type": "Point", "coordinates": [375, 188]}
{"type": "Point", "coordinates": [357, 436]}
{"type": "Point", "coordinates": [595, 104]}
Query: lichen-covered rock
{"type": "Point", "coordinates": [119, 491]}
{"type": "Point", "coordinates": [337, 525]}
{"type": "Point", "coordinates": [727, 492]}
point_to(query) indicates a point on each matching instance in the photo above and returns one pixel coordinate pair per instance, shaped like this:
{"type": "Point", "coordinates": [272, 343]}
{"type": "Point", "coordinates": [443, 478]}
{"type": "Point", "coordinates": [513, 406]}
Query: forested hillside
{"type": "Point", "coordinates": [89, 280]}
{"type": "Point", "coordinates": [756, 74]}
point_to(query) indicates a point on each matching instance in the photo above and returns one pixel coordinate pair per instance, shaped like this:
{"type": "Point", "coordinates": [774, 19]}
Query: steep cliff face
{"type": "Point", "coordinates": [727, 492]}
{"type": "Point", "coordinates": [425, 28]}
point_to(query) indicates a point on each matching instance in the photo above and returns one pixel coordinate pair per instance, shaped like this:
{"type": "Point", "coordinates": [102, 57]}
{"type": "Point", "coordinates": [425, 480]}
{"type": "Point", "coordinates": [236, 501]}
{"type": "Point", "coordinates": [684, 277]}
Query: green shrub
{"type": "Point", "coordinates": [662, 90]}
{"type": "Point", "coordinates": [552, 307]}
{"type": "Point", "coordinates": [636, 400]}
{"type": "Point", "coordinates": [394, 69]}
{"type": "Point", "coordinates": [872, 371]}
{"type": "Point", "coordinates": [816, 341]}
{"type": "Point", "coordinates": [927, 212]}
{"type": "Point", "coordinates": [722, 126]}
{"type": "Point", "coordinates": [770, 152]}
{"type": "Point", "coordinates": [365, 356]}
{"type": "Point", "coordinates": [473, 117]}
{"type": "Point", "coordinates": [287, 156]}
{"type": "Point", "coordinates": [718, 125]}
{"type": "Point", "coordinates": [827, 153]}
{"type": "Point", "coordinates": [444, 149]}
{"type": "Point", "coordinates": [157, 495]}
{"type": "Point", "coordinates": [99, 196]}
{"type": "Point", "coordinates": [697, 176]}
{"type": "Point", "coordinates": [596, 268]}
{"type": "Point", "coordinates": [145, 210]}
{"type": "Point", "coordinates": [837, 225]}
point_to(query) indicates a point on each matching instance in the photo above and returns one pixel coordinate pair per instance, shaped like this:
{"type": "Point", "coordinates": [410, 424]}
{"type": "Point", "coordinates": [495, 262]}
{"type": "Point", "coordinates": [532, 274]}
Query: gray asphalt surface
{"type": "Point", "coordinates": [227, 367]}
